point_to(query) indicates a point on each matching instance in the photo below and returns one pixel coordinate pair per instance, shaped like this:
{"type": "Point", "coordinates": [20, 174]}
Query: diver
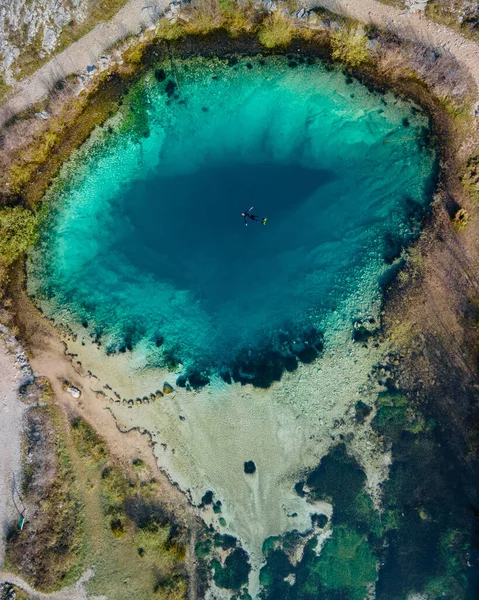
{"type": "Point", "coordinates": [247, 215]}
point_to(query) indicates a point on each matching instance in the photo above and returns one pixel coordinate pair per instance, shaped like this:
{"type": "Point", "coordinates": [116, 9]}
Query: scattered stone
{"type": "Point", "coordinates": [167, 388]}
{"type": "Point", "coordinates": [170, 88]}
{"type": "Point", "coordinates": [319, 520]}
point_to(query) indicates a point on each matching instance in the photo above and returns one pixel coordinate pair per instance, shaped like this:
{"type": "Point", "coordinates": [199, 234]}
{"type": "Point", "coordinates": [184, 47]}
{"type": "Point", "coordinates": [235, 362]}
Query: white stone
{"type": "Point", "coordinates": [75, 392]}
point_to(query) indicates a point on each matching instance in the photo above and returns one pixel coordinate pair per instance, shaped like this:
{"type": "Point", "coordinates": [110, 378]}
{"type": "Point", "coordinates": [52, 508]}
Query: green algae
{"type": "Point", "coordinates": [234, 574]}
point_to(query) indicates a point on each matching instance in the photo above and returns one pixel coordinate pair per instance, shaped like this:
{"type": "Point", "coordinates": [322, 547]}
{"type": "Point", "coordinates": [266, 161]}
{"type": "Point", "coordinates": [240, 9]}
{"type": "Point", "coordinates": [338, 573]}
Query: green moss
{"type": "Point", "coordinates": [346, 561]}
{"type": "Point", "coordinates": [395, 414]}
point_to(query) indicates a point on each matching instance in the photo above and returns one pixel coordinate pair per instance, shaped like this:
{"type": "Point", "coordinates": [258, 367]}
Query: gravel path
{"type": "Point", "coordinates": [11, 415]}
{"type": "Point", "coordinates": [86, 51]}
{"type": "Point", "coordinates": [408, 26]}
{"type": "Point", "coordinates": [75, 592]}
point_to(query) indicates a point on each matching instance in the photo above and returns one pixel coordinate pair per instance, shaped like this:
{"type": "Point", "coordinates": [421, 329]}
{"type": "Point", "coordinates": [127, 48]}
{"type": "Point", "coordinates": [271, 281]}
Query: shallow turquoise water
{"type": "Point", "coordinates": [143, 241]}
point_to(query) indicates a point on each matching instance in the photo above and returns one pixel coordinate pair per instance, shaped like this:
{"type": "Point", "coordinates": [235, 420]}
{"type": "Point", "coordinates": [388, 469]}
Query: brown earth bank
{"type": "Point", "coordinates": [430, 310]}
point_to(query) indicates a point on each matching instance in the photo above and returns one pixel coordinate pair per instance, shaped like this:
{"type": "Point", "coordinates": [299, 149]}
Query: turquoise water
{"type": "Point", "coordinates": [143, 242]}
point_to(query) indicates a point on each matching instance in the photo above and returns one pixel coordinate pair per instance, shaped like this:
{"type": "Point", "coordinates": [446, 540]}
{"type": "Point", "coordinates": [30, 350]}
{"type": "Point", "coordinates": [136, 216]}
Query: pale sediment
{"type": "Point", "coordinates": [202, 439]}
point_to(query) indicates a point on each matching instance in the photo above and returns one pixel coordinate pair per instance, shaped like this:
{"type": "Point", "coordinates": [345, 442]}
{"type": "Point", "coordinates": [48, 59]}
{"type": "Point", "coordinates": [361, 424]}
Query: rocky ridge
{"type": "Point", "coordinates": [34, 25]}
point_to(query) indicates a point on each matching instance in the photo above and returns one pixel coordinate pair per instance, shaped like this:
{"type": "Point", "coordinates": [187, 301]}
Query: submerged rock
{"type": "Point", "coordinates": [160, 75]}
{"type": "Point", "coordinates": [249, 467]}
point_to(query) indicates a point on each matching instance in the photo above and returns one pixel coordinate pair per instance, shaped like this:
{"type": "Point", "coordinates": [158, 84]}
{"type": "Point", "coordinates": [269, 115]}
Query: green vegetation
{"type": "Point", "coordinates": [449, 13]}
{"type": "Point", "coordinates": [17, 233]}
{"type": "Point", "coordinates": [235, 572]}
{"type": "Point", "coordinates": [91, 514]}
{"type": "Point", "coordinates": [276, 31]}
{"type": "Point", "coordinates": [470, 178]}
{"type": "Point", "coordinates": [395, 414]}
{"type": "Point", "coordinates": [347, 563]}
{"type": "Point", "coordinates": [88, 443]}
{"type": "Point", "coordinates": [203, 16]}
{"type": "Point", "coordinates": [350, 46]}
{"type": "Point", "coordinates": [4, 89]}
{"type": "Point", "coordinates": [50, 550]}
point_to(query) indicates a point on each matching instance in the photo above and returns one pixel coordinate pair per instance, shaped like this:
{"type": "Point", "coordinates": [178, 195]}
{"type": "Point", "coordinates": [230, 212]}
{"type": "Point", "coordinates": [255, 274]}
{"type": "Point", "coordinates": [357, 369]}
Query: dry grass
{"type": "Point", "coordinates": [85, 510]}
{"type": "Point", "coordinates": [350, 46]}
{"type": "Point", "coordinates": [49, 550]}
{"type": "Point", "coordinates": [276, 31]}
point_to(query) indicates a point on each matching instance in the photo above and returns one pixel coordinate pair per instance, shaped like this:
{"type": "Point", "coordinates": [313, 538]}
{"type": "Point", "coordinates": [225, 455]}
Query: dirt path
{"type": "Point", "coordinates": [408, 26]}
{"type": "Point", "coordinates": [11, 415]}
{"type": "Point", "coordinates": [76, 592]}
{"type": "Point", "coordinates": [86, 51]}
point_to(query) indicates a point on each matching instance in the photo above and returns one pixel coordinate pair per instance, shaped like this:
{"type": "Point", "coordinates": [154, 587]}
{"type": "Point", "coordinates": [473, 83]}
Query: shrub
{"type": "Point", "coordinates": [17, 233]}
{"type": "Point", "coordinates": [202, 16]}
{"type": "Point", "coordinates": [350, 46]}
{"type": "Point", "coordinates": [276, 31]}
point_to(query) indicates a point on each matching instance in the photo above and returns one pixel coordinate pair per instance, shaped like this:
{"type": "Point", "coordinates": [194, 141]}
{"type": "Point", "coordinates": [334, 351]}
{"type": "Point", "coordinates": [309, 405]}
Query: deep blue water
{"type": "Point", "coordinates": [143, 238]}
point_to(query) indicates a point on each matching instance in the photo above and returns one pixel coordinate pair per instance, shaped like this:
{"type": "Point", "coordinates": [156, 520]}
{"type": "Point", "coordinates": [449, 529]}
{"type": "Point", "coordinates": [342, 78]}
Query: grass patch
{"type": "Point", "coordinates": [470, 178]}
{"type": "Point", "coordinates": [4, 89]}
{"type": "Point", "coordinates": [448, 13]}
{"type": "Point", "coordinates": [350, 46]}
{"type": "Point", "coordinates": [17, 233]}
{"type": "Point", "coordinates": [88, 443]}
{"type": "Point", "coordinates": [276, 31]}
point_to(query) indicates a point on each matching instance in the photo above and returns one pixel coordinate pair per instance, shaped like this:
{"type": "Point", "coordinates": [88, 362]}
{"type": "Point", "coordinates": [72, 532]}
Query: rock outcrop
{"type": "Point", "coordinates": [34, 27]}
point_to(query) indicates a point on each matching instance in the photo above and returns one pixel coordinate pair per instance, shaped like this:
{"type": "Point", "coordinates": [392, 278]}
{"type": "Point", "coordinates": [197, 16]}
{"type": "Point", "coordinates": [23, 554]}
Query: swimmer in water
{"type": "Point", "coordinates": [247, 215]}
